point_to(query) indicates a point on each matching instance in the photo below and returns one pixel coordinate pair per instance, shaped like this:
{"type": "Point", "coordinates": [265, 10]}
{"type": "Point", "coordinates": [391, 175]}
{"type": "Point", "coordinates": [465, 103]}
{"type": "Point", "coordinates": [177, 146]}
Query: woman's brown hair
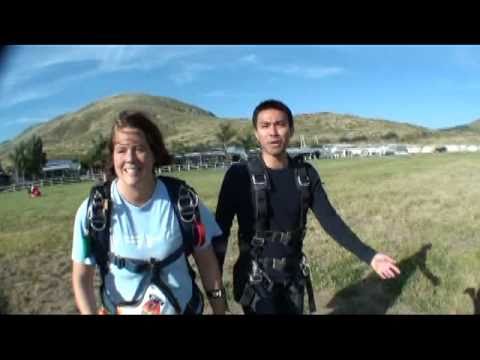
{"type": "Point", "coordinates": [139, 120]}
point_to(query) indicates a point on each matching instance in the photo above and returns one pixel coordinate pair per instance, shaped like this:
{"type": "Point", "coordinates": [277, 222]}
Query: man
{"type": "Point", "coordinates": [270, 196]}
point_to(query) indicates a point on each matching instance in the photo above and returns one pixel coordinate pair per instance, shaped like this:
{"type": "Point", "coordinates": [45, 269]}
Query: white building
{"type": "Point", "coordinates": [428, 149]}
{"type": "Point", "coordinates": [413, 149]}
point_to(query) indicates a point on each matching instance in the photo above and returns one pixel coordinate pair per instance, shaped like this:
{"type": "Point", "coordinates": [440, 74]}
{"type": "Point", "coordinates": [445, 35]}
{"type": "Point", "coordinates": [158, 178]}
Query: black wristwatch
{"type": "Point", "coordinates": [216, 293]}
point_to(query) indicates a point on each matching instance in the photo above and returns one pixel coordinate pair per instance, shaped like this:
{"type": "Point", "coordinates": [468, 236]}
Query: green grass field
{"type": "Point", "coordinates": [422, 210]}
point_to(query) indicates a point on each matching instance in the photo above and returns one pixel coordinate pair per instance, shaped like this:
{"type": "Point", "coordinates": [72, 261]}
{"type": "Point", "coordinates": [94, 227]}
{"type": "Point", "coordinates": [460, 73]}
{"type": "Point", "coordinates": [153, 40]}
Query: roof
{"type": "Point", "coordinates": [53, 165]}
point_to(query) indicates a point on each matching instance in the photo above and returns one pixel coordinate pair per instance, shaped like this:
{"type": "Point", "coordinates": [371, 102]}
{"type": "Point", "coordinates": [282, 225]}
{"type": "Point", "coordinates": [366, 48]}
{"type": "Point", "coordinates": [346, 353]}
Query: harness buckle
{"type": "Point", "coordinates": [285, 238]}
{"type": "Point", "coordinates": [255, 278]}
{"type": "Point", "coordinates": [257, 241]}
{"type": "Point", "coordinates": [268, 281]}
{"type": "Point", "coordinates": [96, 213]}
{"type": "Point", "coordinates": [262, 181]}
{"type": "Point", "coordinates": [186, 204]}
{"type": "Point", "coordinates": [119, 262]}
{"type": "Point", "coordinates": [256, 274]}
{"type": "Point", "coordinates": [279, 264]}
{"type": "Point", "coordinates": [305, 267]}
{"type": "Point", "coordinates": [303, 183]}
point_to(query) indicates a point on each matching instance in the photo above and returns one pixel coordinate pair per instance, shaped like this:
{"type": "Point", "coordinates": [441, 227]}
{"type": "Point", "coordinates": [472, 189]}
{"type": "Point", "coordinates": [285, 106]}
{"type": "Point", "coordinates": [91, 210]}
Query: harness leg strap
{"type": "Point", "coordinates": [311, 298]}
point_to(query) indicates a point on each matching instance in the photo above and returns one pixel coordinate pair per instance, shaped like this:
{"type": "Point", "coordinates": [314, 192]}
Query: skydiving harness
{"type": "Point", "coordinates": [158, 299]}
{"type": "Point", "coordinates": [260, 284]}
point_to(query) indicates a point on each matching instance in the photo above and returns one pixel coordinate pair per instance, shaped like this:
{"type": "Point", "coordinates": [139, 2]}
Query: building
{"type": "Point", "coordinates": [61, 168]}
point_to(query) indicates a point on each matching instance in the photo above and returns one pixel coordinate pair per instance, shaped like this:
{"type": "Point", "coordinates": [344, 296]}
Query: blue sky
{"type": "Point", "coordinates": [426, 85]}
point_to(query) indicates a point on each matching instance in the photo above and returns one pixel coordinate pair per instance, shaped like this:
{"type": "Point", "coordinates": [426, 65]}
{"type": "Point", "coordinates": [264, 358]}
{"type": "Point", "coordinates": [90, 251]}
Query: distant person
{"type": "Point", "coordinates": [270, 195]}
{"type": "Point", "coordinates": [35, 191]}
{"type": "Point", "coordinates": [139, 230]}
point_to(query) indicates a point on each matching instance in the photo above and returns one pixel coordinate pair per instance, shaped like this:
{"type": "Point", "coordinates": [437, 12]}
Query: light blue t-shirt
{"type": "Point", "coordinates": [151, 230]}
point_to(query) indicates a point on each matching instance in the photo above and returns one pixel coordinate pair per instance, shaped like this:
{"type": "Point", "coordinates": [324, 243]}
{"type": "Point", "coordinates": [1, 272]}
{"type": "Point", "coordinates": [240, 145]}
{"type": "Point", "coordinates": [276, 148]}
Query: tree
{"type": "Point", "coordinates": [28, 158]}
{"type": "Point", "coordinates": [96, 156]}
{"type": "Point", "coordinates": [391, 135]}
{"type": "Point", "coordinates": [178, 147]}
{"type": "Point", "coordinates": [18, 159]}
{"type": "Point", "coordinates": [36, 157]}
{"type": "Point", "coordinates": [225, 134]}
{"type": "Point", "coordinates": [248, 141]}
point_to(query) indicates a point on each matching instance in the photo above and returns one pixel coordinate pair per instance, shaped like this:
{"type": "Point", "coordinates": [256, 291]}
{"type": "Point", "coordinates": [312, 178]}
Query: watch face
{"type": "Point", "coordinates": [216, 293]}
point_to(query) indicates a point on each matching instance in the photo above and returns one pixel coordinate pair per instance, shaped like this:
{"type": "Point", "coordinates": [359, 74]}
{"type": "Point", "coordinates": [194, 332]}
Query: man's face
{"type": "Point", "coordinates": [273, 132]}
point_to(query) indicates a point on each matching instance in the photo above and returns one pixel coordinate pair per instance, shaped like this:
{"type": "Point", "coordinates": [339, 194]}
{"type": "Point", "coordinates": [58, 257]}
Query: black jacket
{"type": "Point", "coordinates": [284, 209]}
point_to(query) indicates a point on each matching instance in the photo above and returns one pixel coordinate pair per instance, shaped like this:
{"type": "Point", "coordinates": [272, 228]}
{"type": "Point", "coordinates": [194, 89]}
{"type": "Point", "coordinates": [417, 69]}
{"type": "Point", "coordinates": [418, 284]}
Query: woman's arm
{"type": "Point", "coordinates": [211, 279]}
{"type": "Point", "coordinates": [83, 287]}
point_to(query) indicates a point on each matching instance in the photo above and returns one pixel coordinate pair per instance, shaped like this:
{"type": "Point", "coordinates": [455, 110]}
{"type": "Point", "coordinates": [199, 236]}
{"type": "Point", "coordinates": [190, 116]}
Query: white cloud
{"type": "Point", "coordinates": [308, 72]}
{"type": "Point", "coordinates": [25, 120]}
{"type": "Point", "coordinates": [36, 92]}
{"type": "Point", "coordinates": [250, 59]}
{"type": "Point", "coordinates": [467, 56]}
{"type": "Point", "coordinates": [19, 97]}
{"type": "Point", "coordinates": [98, 59]}
{"type": "Point", "coordinates": [44, 116]}
{"type": "Point", "coordinates": [216, 93]}
{"type": "Point", "coordinates": [305, 71]}
{"type": "Point", "coordinates": [190, 72]}
{"type": "Point", "coordinates": [227, 94]}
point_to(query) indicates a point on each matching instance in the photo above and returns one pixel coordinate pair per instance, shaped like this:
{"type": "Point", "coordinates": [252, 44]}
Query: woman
{"type": "Point", "coordinates": [145, 269]}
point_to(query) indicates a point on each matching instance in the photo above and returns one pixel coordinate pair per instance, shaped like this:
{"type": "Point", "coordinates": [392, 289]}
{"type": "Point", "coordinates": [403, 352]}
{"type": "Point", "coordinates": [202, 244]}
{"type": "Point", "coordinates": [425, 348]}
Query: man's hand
{"type": "Point", "coordinates": [384, 266]}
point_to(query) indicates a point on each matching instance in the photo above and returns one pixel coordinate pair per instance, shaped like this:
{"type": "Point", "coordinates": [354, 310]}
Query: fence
{"type": "Point", "coordinates": [46, 182]}
{"type": "Point", "coordinates": [194, 166]}
{"type": "Point", "coordinates": [94, 177]}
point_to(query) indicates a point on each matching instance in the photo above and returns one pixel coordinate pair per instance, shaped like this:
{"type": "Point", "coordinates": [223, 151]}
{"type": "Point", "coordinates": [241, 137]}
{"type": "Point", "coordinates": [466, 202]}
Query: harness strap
{"type": "Point", "coordinates": [311, 298]}
{"type": "Point", "coordinates": [260, 184]}
{"type": "Point", "coordinates": [186, 207]}
{"type": "Point", "coordinates": [305, 269]}
{"type": "Point", "coordinates": [152, 271]}
{"type": "Point", "coordinates": [185, 204]}
{"type": "Point", "coordinates": [286, 238]}
{"type": "Point", "coordinates": [303, 185]}
{"type": "Point", "coordinates": [98, 217]}
{"type": "Point", "coordinates": [139, 266]}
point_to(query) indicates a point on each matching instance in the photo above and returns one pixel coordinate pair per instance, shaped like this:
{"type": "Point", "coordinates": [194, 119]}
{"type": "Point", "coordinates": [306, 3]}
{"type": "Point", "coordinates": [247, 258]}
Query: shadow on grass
{"type": "Point", "coordinates": [475, 296]}
{"type": "Point", "coordinates": [373, 295]}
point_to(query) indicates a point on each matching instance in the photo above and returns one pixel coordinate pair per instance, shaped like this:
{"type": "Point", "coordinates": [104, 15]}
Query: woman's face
{"type": "Point", "coordinates": [132, 157]}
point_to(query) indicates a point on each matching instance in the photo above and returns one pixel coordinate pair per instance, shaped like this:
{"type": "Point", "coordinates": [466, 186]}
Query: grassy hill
{"type": "Point", "coordinates": [331, 127]}
{"type": "Point", "coordinates": [469, 133]}
{"type": "Point", "coordinates": [70, 135]}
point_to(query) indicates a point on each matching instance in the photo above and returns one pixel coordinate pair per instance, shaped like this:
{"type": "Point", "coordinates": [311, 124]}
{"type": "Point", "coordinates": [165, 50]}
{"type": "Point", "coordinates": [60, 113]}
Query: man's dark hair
{"type": "Point", "coordinates": [272, 104]}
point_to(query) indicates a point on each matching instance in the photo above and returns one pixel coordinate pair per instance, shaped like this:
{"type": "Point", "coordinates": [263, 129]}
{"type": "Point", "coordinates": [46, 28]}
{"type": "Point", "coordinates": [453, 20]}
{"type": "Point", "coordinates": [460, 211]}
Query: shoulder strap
{"type": "Point", "coordinates": [302, 180]}
{"type": "Point", "coordinates": [98, 224]}
{"type": "Point", "coordinates": [260, 185]}
{"type": "Point", "coordinates": [186, 207]}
